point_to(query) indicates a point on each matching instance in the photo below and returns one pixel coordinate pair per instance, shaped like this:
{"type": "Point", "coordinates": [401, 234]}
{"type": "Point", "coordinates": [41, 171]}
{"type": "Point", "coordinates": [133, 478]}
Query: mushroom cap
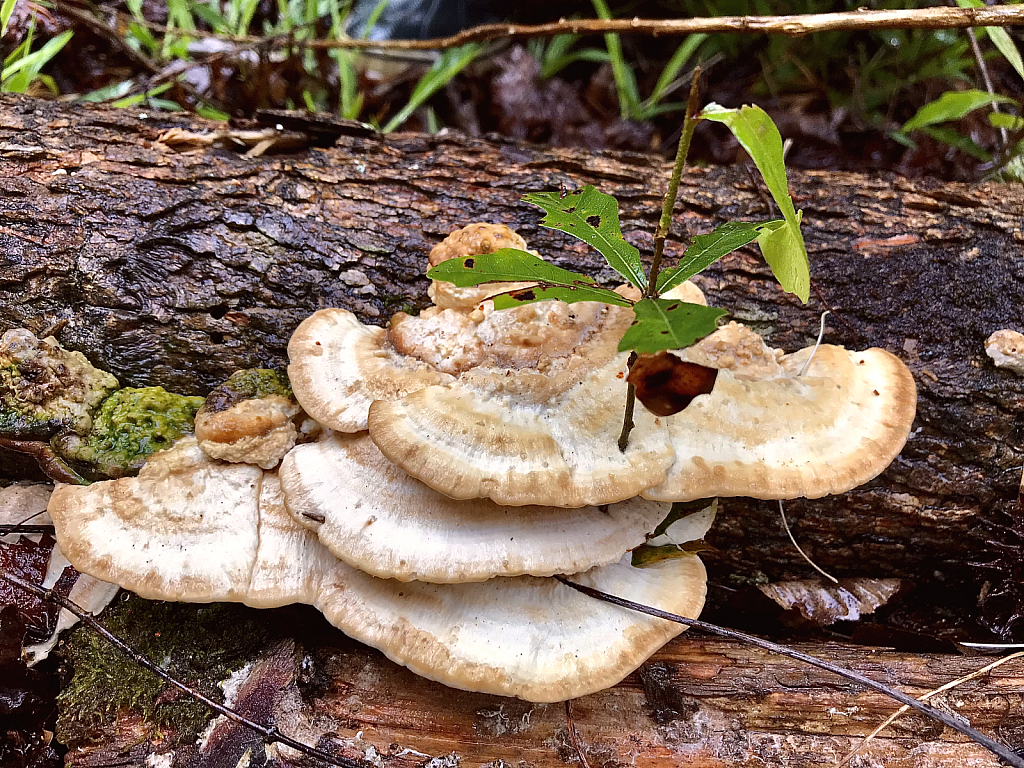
{"type": "Point", "coordinates": [527, 637]}
{"type": "Point", "coordinates": [472, 240]}
{"type": "Point", "coordinates": [518, 440]}
{"type": "Point", "coordinates": [339, 366]}
{"type": "Point", "coordinates": [380, 520]}
{"type": "Point", "coordinates": [186, 528]}
{"type": "Point", "coordinates": [827, 431]}
{"type": "Point", "coordinates": [248, 419]}
{"type": "Point", "coordinates": [532, 638]}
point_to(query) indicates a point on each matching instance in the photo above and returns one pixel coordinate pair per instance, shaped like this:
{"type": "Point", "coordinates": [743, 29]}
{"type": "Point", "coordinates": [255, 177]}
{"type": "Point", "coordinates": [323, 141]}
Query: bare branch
{"type": "Point", "coordinates": [790, 26]}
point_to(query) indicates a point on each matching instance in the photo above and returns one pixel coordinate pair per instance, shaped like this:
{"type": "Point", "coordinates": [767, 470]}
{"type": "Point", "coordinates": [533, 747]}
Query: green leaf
{"type": "Point", "coordinates": [952, 105]}
{"type": "Point", "coordinates": [5, 15]}
{"type": "Point", "coordinates": [570, 294]}
{"type": "Point", "coordinates": [668, 324]}
{"type": "Point", "coordinates": [451, 62]}
{"type": "Point", "coordinates": [707, 249]}
{"type": "Point", "coordinates": [958, 140]}
{"type": "Point", "coordinates": [1000, 38]}
{"type": "Point", "coordinates": [593, 217]}
{"type": "Point", "coordinates": [1011, 122]}
{"type": "Point", "coordinates": [503, 266]}
{"type": "Point", "coordinates": [784, 247]}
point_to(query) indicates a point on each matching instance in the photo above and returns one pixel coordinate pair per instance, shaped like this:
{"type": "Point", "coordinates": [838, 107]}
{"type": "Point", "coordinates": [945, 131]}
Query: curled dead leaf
{"type": "Point", "coordinates": [666, 385]}
{"type": "Point", "coordinates": [825, 603]}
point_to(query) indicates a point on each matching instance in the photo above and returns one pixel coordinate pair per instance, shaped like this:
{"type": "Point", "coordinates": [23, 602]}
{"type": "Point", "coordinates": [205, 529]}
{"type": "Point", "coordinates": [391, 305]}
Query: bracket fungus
{"type": "Point", "coordinates": [469, 454]}
{"type": "Point", "coordinates": [195, 529]}
{"type": "Point", "coordinates": [377, 518]}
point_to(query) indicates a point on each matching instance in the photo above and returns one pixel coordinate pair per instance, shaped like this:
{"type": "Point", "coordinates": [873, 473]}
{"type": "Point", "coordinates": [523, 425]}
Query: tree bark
{"type": "Point", "coordinates": [700, 703]}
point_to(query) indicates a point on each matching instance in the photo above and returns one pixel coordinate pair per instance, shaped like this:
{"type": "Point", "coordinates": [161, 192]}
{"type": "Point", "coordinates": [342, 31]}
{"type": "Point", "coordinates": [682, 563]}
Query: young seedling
{"type": "Point", "coordinates": [592, 216]}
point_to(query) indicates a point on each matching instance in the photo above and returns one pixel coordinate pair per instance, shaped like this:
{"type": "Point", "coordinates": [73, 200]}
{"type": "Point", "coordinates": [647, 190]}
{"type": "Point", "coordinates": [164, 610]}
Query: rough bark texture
{"type": "Point", "coordinates": [177, 268]}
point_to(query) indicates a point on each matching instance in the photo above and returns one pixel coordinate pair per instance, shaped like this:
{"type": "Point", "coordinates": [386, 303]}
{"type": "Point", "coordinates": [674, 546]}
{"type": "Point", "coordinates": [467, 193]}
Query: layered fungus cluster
{"type": "Point", "coordinates": [467, 455]}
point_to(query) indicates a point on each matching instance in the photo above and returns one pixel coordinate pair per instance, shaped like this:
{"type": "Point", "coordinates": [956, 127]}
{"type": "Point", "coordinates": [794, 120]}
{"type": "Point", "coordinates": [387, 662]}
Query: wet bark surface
{"type": "Point", "coordinates": [176, 268]}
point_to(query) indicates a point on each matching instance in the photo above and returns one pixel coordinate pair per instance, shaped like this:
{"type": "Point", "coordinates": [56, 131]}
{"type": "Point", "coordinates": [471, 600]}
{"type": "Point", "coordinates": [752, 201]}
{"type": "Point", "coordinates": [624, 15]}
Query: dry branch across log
{"type": "Point", "coordinates": [177, 268]}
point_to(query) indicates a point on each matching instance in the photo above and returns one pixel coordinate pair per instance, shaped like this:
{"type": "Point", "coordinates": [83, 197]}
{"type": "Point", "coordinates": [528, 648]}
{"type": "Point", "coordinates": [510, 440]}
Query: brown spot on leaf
{"type": "Point", "coordinates": [594, 221]}
{"type": "Point", "coordinates": [527, 295]}
{"type": "Point", "coordinates": [469, 262]}
{"type": "Point", "coordinates": [666, 385]}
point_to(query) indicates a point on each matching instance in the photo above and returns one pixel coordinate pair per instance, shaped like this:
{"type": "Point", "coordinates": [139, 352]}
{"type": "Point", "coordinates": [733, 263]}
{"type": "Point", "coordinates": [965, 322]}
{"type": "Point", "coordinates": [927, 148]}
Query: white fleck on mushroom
{"type": "Point", "coordinates": [378, 519]}
{"type": "Point", "coordinates": [1006, 348]}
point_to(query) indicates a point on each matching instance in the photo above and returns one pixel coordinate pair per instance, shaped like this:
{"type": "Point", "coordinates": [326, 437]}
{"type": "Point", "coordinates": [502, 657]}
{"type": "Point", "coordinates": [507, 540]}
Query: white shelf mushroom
{"type": "Point", "coordinates": [186, 529]}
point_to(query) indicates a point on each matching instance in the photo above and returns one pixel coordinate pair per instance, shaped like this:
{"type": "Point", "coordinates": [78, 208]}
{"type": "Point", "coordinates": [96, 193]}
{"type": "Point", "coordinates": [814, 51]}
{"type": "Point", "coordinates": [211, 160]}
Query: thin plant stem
{"type": "Point", "coordinates": [661, 234]}
{"type": "Point", "coordinates": [669, 203]}
{"type": "Point", "coordinates": [272, 735]}
{"type": "Point", "coordinates": [1004, 753]}
{"type": "Point", "coordinates": [983, 68]}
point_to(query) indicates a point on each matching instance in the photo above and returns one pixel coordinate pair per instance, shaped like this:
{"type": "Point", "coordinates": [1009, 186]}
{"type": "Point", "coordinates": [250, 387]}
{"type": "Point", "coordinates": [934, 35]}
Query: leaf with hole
{"type": "Point", "coordinates": [502, 266]}
{"type": "Point", "coordinates": [570, 294]}
{"type": "Point", "coordinates": [707, 249]}
{"type": "Point", "coordinates": [783, 247]}
{"type": "Point", "coordinates": [668, 324]}
{"type": "Point", "coordinates": [593, 217]}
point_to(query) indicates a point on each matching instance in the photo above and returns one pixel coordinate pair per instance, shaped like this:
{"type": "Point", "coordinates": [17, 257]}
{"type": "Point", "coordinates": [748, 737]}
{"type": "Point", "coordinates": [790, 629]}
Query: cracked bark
{"type": "Point", "coordinates": [177, 268]}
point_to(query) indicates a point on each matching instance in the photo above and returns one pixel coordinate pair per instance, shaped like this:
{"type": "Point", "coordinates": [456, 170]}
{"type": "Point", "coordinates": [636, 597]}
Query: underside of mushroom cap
{"type": "Point", "coordinates": [475, 439]}
{"type": "Point", "coordinates": [377, 518]}
{"type": "Point", "coordinates": [535, 639]}
{"type": "Point", "coordinates": [338, 366]}
{"type": "Point", "coordinates": [827, 431]}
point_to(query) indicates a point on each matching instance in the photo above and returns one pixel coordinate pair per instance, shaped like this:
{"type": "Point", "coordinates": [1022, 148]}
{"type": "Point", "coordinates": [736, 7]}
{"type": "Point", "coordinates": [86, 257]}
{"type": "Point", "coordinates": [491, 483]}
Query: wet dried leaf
{"type": "Point", "coordinates": [825, 603]}
{"type": "Point", "coordinates": [666, 385]}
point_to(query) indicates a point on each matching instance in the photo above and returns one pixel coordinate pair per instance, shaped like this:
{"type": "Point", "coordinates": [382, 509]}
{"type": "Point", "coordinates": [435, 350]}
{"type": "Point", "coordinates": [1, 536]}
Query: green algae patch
{"type": "Point", "coordinates": [198, 644]}
{"type": "Point", "coordinates": [45, 388]}
{"type": "Point", "coordinates": [248, 384]}
{"type": "Point", "coordinates": [131, 424]}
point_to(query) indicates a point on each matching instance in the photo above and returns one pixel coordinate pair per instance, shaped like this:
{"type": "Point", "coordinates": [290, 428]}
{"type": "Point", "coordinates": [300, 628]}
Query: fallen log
{"type": "Point", "coordinates": [175, 264]}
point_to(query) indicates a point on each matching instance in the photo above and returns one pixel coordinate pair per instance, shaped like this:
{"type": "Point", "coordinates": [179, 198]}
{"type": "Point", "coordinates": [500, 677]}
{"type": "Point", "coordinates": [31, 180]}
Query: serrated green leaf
{"type": "Point", "coordinates": [707, 249]}
{"type": "Point", "coordinates": [668, 324]}
{"type": "Point", "coordinates": [952, 105]}
{"type": "Point", "coordinates": [570, 294]}
{"type": "Point", "coordinates": [757, 134]}
{"type": "Point", "coordinates": [504, 266]}
{"type": "Point", "coordinates": [593, 217]}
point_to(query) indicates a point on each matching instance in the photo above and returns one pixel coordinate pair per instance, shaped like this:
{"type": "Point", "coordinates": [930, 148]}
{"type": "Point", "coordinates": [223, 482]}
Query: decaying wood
{"type": "Point", "coordinates": [699, 703]}
{"type": "Point", "coordinates": [175, 268]}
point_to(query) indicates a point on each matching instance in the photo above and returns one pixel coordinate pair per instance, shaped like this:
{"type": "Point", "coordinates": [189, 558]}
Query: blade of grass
{"type": "Point", "coordinates": [625, 81]}
{"type": "Point", "coordinates": [440, 74]}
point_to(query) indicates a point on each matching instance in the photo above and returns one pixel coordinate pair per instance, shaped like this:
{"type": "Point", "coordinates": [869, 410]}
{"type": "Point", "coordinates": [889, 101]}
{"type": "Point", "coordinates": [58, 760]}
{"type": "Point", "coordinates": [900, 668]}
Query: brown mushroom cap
{"type": "Point", "coordinates": [527, 637]}
{"type": "Point", "coordinates": [827, 431]}
{"type": "Point", "coordinates": [378, 519]}
{"type": "Point", "coordinates": [472, 240]}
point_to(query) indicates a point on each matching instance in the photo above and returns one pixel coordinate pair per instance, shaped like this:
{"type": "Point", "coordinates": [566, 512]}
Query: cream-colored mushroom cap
{"type": "Point", "coordinates": [536, 639]}
{"type": "Point", "coordinates": [338, 366]}
{"type": "Point", "coordinates": [472, 240]}
{"type": "Point", "coordinates": [378, 519]}
{"type": "Point", "coordinates": [834, 427]}
{"type": "Point", "coordinates": [491, 436]}
{"type": "Point", "coordinates": [527, 637]}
